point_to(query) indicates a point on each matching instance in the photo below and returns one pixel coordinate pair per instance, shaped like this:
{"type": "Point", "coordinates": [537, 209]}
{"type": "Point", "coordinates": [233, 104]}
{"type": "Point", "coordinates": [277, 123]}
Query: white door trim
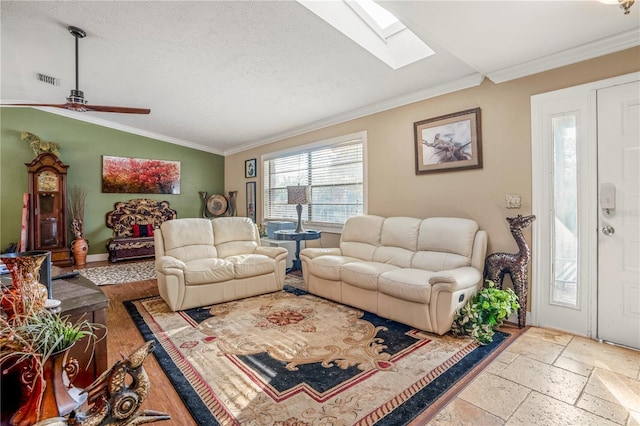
{"type": "Point", "coordinates": [541, 179]}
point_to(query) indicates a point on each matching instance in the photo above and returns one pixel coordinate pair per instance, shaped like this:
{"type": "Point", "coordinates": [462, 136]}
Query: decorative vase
{"type": "Point", "coordinates": [26, 292]}
{"type": "Point", "coordinates": [233, 210]}
{"type": "Point", "coordinates": [80, 249]}
{"type": "Point", "coordinates": [51, 392]}
{"type": "Point", "coordinates": [203, 195]}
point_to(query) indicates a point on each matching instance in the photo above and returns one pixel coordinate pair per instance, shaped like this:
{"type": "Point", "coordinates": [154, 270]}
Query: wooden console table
{"type": "Point", "coordinates": [79, 296]}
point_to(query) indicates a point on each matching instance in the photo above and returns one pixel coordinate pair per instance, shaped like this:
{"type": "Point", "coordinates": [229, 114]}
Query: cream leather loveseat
{"type": "Point", "coordinates": [201, 262]}
{"type": "Point", "coordinates": [415, 271]}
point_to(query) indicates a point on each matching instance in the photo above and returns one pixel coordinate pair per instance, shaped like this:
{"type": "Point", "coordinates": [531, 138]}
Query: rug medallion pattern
{"type": "Point", "coordinates": [290, 358]}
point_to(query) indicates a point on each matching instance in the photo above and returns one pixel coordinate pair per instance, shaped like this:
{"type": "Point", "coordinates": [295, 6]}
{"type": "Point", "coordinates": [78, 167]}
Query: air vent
{"type": "Point", "coordinates": [48, 79]}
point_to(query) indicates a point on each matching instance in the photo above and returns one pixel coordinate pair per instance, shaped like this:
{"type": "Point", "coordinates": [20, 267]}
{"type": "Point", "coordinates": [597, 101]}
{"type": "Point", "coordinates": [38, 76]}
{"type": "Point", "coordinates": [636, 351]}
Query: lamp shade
{"type": "Point", "coordinates": [300, 194]}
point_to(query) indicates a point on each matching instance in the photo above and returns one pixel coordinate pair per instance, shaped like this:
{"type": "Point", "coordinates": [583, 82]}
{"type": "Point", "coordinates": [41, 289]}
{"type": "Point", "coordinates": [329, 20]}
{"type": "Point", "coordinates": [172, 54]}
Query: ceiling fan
{"type": "Point", "coordinates": [76, 100]}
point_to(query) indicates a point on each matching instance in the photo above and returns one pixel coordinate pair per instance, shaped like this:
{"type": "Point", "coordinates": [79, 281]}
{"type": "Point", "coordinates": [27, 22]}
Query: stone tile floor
{"type": "Point", "coordinates": [551, 378]}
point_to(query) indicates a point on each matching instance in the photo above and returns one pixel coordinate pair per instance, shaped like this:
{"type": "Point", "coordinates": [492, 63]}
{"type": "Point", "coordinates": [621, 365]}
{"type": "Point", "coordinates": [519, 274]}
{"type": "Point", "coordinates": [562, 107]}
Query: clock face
{"type": "Point", "coordinates": [47, 181]}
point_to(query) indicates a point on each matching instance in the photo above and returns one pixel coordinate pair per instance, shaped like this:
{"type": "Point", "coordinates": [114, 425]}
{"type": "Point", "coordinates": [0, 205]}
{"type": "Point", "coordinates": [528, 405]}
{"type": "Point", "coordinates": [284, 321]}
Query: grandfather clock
{"type": "Point", "coordinates": [48, 207]}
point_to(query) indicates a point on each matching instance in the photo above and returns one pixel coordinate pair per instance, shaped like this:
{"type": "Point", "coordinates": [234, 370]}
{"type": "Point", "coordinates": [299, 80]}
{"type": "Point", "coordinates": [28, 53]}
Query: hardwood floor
{"type": "Point", "coordinates": [123, 337]}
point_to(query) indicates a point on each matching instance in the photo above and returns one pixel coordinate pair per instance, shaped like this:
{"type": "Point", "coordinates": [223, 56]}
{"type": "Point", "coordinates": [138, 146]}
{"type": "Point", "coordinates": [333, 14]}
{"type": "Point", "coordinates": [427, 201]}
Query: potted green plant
{"type": "Point", "coordinates": [484, 313]}
{"type": "Point", "coordinates": [37, 342]}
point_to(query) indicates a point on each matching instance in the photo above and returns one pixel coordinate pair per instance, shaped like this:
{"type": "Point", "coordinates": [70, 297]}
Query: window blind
{"type": "Point", "coordinates": [335, 173]}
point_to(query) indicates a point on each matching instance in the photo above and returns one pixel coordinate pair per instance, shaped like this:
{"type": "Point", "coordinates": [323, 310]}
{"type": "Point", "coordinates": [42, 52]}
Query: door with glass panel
{"type": "Point", "coordinates": [560, 296]}
{"type": "Point", "coordinates": [586, 194]}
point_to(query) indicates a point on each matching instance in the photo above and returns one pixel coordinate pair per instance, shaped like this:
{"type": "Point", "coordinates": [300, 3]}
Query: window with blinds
{"type": "Point", "coordinates": [335, 172]}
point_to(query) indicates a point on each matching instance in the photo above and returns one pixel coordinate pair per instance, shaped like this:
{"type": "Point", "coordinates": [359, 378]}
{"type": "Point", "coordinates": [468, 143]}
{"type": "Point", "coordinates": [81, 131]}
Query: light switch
{"type": "Point", "coordinates": [513, 201]}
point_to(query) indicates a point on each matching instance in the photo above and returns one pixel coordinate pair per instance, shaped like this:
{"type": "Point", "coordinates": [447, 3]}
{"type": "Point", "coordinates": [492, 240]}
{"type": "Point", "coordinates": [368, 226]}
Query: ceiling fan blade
{"type": "Point", "coordinates": [38, 105]}
{"type": "Point", "coordinates": [123, 110]}
{"type": "Point", "coordinates": [76, 100]}
{"type": "Point", "coordinates": [73, 106]}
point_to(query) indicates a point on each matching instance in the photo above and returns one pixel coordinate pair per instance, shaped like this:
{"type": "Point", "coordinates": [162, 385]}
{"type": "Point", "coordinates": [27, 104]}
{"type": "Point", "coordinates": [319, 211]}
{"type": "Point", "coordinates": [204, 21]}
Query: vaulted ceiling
{"type": "Point", "coordinates": [224, 76]}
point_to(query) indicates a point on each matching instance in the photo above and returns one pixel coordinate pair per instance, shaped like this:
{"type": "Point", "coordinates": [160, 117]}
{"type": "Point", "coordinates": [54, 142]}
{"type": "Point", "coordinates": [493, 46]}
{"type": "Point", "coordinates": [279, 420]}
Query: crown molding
{"type": "Point", "coordinates": [431, 92]}
{"type": "Point", "coordinates": [585, 52]}
{"type": "Point", "coordinates": [117, 126]}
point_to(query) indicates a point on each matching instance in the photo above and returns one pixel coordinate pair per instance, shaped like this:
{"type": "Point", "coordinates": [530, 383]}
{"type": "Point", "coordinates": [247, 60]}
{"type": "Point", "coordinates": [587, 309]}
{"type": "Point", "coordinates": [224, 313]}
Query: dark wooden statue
{"type": "Point", "coordinates": [514, 264]}
{"type": "Point", "coordinates": [117, 394]}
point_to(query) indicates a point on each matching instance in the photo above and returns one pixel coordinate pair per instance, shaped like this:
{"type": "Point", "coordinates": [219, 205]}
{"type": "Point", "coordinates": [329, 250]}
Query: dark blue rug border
{"type": "Point", "coordinates": [402, 415]}
{"type": "Point", "coordinates": [414, 406]}
{"type": "Point", "coordinates": [200, 412]}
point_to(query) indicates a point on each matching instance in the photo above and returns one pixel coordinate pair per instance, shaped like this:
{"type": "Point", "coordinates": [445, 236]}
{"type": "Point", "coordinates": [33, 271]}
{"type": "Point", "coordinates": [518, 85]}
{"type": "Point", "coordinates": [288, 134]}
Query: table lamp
{"type": "Point", "coordinates": [299, 195]}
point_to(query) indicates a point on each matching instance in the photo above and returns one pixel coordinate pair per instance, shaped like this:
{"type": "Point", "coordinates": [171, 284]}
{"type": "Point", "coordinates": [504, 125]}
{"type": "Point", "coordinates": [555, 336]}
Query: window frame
{"type": "Point", "coordinates": [323, 226]}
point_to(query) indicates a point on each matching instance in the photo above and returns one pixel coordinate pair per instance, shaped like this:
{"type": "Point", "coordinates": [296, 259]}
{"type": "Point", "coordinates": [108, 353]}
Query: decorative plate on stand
{"type": "Point", "coordinates": [217, 204]}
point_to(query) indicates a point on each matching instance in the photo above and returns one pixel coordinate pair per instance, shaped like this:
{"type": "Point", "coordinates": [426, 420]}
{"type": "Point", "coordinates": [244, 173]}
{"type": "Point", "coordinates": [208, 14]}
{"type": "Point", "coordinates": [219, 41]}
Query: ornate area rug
{"type": "Point", "coordinates": [120, 273]}
{"type": "Point", "coordinates": [290, 358]}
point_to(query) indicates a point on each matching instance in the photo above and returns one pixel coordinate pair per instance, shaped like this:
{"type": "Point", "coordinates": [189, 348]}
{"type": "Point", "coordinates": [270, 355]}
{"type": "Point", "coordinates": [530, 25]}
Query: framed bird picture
{"type": "Point", "coordinates": [449, 142]}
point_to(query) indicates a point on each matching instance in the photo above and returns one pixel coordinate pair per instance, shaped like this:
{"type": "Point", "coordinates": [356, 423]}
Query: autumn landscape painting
{"type": "Point", "coordinates": [139, 175]}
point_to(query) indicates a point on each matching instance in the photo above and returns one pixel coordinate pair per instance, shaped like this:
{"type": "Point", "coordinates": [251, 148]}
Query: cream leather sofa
{"type": "Point", "coordinates": [201, 262]}
{"type": "Point", "coordinates": [415, 271]}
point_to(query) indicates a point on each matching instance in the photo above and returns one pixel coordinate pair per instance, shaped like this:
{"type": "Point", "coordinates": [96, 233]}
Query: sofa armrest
{"type": "Point", "coordinates": [450, 290]}
{"type": "Point", "coordinates": [165, 264]}
{"type": "Point", "coordinates": [457, 279]}
{"type": "Point", "coordinates": [276, 253]}
{"type": "Point", "coordinates": [314, 252]}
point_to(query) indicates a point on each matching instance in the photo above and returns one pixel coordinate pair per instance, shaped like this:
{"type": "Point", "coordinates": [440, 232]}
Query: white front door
{"type": "Point", "coordinates": [585, 139]}
{"type": "Point", "coordinates": [619, 214]}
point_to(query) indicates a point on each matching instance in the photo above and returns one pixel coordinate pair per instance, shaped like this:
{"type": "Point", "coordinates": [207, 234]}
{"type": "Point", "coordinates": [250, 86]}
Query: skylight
{"type": "Point", "coordinates": [374, 28]}
{"type": "Point", "coordinates": [382, 16]}
{"type": "Point", "coordinates": [377, 17]}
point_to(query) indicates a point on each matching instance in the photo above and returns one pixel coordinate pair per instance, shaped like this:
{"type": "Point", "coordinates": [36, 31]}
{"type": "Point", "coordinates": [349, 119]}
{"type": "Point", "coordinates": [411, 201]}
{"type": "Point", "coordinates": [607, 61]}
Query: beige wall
{"type": "Point", "coordinates": [394, 188]}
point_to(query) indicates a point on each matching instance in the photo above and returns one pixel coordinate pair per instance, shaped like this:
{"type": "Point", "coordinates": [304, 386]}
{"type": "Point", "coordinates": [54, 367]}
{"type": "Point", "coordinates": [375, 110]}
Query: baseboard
{"type": "Point", "coordinates": [513, 318]}
{"type": "Point", "coordinates": [97, 257]}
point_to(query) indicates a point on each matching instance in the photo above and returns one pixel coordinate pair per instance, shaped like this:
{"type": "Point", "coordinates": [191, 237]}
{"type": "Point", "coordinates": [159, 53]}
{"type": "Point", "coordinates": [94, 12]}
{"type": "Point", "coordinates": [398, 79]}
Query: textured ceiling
{"type": "Point", "coordinates": [223, 76]}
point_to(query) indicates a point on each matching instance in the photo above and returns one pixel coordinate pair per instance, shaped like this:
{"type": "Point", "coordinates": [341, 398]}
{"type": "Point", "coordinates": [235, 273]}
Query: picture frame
{"type": "Point", "coordinates": [250, 168]}
{"type": "Point", "coordinates": [140, 175]}
{"type": "Point", "coordinates": [251, 201]}
{"type": "Point", "coordinates": [448, 142]}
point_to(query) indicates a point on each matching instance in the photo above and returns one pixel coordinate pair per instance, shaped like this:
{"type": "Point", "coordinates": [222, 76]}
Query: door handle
{"type": "Point", "coordinates": [608, 230]}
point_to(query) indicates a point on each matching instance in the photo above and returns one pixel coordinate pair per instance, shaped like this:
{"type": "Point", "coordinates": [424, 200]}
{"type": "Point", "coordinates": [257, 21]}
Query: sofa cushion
{"type": "Point", "coordinates": [205, 271]}
{"type": "Point", "coordinates": [235, 235]}
{"type": "Point", "coordinates": [251, 265]}
{"type": "Point", "coordinates": [448, 234]}
{"type": "Point", "coordinates": [142, 230]}
{"type": "Point", "coordinates": [396, 256]}
{"type": "Point", "coordinates": [406, 284]}
{"type": "Point", "coordinates": [328, 267]}
{"type": "Point", "coordinates": [400, 232]}
{"type": "Point", "coordinates": [445, 243]}
{"type": "Point", "coordinates": [438, 261]}
{"type": "Point", "coordinates": [361, 236]}
{"type": "Point", "coordinates": [188, 239]}
{"type": "Point", "coordinates": [398, 241]}
{"type": "Point", "coordinates": [364, 274]}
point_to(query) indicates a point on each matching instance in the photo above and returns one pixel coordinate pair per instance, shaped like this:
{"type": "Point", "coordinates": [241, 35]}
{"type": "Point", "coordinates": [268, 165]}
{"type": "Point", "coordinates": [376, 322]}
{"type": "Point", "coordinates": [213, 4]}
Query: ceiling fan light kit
{"type": "Point", "coordinates": [75, 100]}
{"type": "Point", "coordinates": [76, 97]}
{"type": "Point", "coordinates": [625, 5]}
